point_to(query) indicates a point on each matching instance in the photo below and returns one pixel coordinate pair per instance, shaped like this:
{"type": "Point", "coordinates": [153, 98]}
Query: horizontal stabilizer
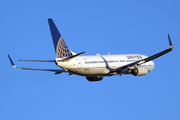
{"type": "Point", "coordinates": [71, 57]}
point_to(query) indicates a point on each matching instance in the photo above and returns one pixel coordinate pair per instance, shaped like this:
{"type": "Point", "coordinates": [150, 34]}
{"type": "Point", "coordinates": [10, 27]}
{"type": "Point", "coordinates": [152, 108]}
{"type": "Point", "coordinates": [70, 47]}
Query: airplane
{"type": "Point", "coordinates": [95, 67]}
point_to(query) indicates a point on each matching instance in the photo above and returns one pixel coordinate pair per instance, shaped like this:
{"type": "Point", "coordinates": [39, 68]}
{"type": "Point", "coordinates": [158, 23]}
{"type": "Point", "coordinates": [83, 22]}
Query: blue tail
{"type": "Point", "coordinates": [60, 46]}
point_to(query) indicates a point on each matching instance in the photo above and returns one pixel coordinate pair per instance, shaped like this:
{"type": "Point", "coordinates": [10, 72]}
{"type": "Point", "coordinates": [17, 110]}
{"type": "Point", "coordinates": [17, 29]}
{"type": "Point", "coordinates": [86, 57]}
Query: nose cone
{"type": "Point", "coordinates": [151, 66]}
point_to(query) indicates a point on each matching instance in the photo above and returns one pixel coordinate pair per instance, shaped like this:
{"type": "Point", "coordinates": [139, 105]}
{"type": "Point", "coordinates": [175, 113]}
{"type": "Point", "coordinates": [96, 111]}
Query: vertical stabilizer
{"type": "Point", "coordinates": [60, 46]}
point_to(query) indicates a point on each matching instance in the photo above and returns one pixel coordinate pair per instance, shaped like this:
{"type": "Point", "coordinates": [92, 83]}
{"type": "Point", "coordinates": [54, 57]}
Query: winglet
{"type": "Point", "coordinates": [12, 63]}
{"type": "Point", "coordinates": [170, 42]}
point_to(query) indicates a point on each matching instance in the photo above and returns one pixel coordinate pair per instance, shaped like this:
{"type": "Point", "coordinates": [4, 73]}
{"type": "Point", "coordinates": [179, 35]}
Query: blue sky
{"type": "Point", "coordinates": [96, 26]}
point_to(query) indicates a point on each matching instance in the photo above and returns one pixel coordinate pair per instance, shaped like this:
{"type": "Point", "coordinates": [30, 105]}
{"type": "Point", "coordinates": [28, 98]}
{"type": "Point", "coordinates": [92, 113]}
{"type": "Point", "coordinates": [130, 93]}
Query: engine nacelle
{"type": "Point", "coordinates": [140, 70]}
{"type": "Point", "coordinates": [94, 78]}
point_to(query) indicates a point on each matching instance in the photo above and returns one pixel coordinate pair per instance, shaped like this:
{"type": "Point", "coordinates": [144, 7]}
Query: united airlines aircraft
{"type": "Point", "coordinates": [95, 67]}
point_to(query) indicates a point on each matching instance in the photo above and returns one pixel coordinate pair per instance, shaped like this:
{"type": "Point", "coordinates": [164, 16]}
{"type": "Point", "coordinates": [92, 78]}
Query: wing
{"type": "Point", "coordinates": [39, 60]}
{"type": "Point", "coordinates": [57, 71]}
{"type": "Point", "coordinates": [122, 69]}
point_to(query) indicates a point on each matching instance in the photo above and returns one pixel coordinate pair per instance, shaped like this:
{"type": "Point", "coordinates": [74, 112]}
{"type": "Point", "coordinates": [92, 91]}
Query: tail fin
{"type": "Point", "coordinates": [60, 46]}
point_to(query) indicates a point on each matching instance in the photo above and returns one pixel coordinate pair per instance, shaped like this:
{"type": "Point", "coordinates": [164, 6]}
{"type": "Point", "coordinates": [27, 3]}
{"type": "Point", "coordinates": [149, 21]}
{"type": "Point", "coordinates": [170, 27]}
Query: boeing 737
{"type": "Point", "coordinates": [95, 67]}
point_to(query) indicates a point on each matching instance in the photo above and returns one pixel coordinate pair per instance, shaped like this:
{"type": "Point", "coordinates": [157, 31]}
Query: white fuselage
{"type": "Point", "coordinates": [90, 65]}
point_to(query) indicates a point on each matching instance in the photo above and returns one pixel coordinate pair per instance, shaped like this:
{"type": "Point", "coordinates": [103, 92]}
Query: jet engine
{"type": "Point", "coordinates": [139, 70]}
{"type": "Point", "coordinates": [94, 78]}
